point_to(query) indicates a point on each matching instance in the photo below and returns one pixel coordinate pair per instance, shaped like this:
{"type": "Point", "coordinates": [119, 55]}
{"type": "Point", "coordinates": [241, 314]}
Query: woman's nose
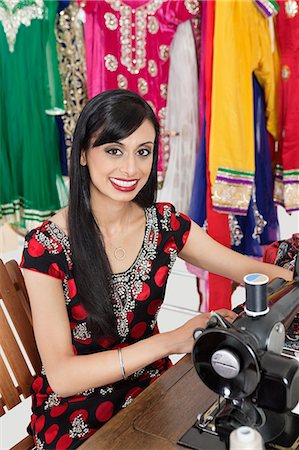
{"type": "Point", "coordinates": [129, 165]}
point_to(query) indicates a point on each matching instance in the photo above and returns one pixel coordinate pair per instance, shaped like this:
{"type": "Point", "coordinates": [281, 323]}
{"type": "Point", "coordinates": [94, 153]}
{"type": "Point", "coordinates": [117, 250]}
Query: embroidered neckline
{"type": "Point", "coordinates": [65, 241]}
{"type": "Point", "coordinates": [14, 13]}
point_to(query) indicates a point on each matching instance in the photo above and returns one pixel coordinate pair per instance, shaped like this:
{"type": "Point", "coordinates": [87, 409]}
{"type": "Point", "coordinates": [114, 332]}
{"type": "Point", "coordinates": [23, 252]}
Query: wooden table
{"type": "Point", "coordinates": [159, 415]}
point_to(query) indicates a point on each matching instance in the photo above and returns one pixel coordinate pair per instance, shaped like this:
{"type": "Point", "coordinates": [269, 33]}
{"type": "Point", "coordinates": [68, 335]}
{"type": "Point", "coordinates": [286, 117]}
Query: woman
{"type": "Point", "coordinates": [107, 257]}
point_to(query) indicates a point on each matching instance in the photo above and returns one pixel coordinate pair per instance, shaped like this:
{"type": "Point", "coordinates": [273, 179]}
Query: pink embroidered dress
{"type": "Point", "coordinates": [127, 46]}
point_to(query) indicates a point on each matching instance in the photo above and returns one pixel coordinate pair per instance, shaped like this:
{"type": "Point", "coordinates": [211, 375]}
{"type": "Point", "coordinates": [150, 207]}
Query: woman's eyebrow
{"type": "Point", "coordinates": [123, 145]}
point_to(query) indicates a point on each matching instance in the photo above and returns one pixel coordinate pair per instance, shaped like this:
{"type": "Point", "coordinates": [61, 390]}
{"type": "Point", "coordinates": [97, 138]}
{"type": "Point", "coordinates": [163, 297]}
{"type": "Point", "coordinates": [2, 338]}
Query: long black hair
{"type": "Point", "coordinates": [108, 117]}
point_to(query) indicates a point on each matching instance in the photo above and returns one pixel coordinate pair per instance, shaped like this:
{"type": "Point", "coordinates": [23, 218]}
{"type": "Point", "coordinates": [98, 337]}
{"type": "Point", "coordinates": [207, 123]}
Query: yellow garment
{"type": "Point", "coordinates": [242, 45]}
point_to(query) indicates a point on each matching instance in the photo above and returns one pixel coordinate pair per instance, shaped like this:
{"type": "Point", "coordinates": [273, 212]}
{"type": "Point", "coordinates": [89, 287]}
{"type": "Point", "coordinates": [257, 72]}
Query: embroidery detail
{"type": "Point", "coordinates": [165, 151]}
{"type": "Point", "coordinates": [133, 57]}
{"type": "Point", "coordinates": [111, 63]}
{"type": "Point", "coordinates": [122, 82]}
{"type": "Point", "coordinates": [79, 427]}
{"type": "Point", "coordinates": [260, 223]}
{"type": "Point", "coordinates": [285, 72]}
{"type": "Point", "coordinates": [72, 68]}
{"type": "Point", "coordinates": [269, 8]}
{"type": "Point", "coordinates": [59, 235]}
{"type": "Point", "coordinates": [142, 86]}
{"type": "Point", "coordinates": [152, 68]}
{"type": "Point", "coordinates": [291, 8]}
{"type": "Point", "coordinates": [81, 332]}
{"type": "Point", "coordinates": [14, 13]}
{"type": "Point", "coordinates": [164, 52]}
{"type": "Point", "coordinates": [163, 90]}
{"type": "Point", "coordinates": [166, 218]}
{"type": "Point", "coordinates": [278, 186]}
{"type": "Point", "coordinates": [127, 402]}
{"type": "Point", "coordinates": [111, 21]}
{"type": "Point", "coordinates": [286, 187]}
{"type": "Point", "coordinates": [192, 6]}
{"type": "Point", "coordinates": [291, 189]}
{"type": "Point", "coordinates": [53, 400]}
{"type": "Point", "coordinates": [65, 287]}
{"type": "Point", "coordinates": [39, 444]}
{"type": "Point", "coordinates": [87, 392]}
{"type": "Point", "coordinates": [128, 285]}
{"type": "Point", "coordinates": [155, 319]}
{"type": "Point", "coordinates": [106, 390]}
{"type": "Point", "coordinates": [236, 234]}
{"type": "Point", "coordinates": [232, 191]}
{"type": "Point", "coordinates": [153, 25]}
{"type": "Point", "coordinates": [172, 255]}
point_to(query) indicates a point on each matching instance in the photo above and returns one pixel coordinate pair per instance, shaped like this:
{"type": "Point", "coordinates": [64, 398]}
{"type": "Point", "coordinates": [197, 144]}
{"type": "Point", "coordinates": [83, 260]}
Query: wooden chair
{"type": "Point", "coordinates": [16, 336]}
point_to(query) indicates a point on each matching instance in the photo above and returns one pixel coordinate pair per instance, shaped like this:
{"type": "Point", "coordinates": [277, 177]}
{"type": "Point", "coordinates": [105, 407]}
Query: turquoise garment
{"type": "Point", "coordinates": [31, 184]}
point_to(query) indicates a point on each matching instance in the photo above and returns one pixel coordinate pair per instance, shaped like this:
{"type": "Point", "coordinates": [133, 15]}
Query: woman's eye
{"type": "Point", "coordinates": [114, 151]}
{"type": "Point", "coordinates": [144, 152]}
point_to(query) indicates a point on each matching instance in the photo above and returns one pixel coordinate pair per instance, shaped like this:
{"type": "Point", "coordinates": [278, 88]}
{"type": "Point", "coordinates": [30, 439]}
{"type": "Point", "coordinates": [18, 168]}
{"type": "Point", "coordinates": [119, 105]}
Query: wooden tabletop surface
{"type": "Point", "coordinates": [159, 416]}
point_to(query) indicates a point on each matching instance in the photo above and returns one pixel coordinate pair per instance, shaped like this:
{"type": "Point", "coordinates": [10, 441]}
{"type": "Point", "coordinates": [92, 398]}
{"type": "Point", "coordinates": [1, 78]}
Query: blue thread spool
{"type": "Point", "coordinates": [256, 294]}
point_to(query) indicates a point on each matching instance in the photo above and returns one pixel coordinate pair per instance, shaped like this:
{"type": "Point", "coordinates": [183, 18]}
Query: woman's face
{"type": "Point", "coordinates": [119, 170]}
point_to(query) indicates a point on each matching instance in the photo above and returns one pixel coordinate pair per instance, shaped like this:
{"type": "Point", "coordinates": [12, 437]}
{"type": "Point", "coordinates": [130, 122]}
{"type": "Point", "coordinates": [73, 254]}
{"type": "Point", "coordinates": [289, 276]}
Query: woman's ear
{"type": "Point", "coordinates": [83, 161]}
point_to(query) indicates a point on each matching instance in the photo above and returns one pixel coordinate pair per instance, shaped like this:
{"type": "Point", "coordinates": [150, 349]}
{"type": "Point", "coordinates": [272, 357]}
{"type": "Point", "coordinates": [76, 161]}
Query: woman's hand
{"type": "Point", "coordinates": [182, 337]}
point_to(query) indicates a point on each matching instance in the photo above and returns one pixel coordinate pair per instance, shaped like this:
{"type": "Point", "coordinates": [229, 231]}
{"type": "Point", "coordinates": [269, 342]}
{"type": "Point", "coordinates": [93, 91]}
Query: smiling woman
{"type": "Point", "coordinates": [97, 273]}
{"type": "Point", "coordinates": [124, 165]}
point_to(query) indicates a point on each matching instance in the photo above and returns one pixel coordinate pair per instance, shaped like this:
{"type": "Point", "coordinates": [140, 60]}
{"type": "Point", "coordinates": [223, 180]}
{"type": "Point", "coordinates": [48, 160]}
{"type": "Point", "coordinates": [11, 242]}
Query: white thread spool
{"type": "Point", "coordinates": [245, 438]}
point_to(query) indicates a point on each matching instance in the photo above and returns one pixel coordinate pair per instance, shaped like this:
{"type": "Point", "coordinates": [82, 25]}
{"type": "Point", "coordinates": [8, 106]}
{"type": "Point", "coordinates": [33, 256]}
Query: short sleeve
{"type": "Point", "coordinates": [44, 253]}
{"type": "Point", "coordinates": [174, 226]}
{"type": "Point", "coordinates": [182, 10]}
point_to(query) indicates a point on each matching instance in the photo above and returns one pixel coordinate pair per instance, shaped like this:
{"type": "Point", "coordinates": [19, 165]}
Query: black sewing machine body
{"type": "Point", "coordinates": [257, 386]}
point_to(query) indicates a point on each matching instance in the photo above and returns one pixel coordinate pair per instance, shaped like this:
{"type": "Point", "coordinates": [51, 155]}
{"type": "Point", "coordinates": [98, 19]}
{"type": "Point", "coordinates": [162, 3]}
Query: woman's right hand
{"type": "Point", "coordinates": [182, 337]}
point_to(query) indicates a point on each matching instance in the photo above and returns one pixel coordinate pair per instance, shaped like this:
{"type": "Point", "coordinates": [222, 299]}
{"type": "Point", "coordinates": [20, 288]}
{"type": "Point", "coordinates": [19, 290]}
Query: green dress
{"type": "Point", "coordinates": [31, 184]}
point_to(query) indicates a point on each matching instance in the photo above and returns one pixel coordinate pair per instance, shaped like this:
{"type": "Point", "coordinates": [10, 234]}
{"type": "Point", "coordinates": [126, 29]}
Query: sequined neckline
{"type": "Point", "coordinates": [148, 223]}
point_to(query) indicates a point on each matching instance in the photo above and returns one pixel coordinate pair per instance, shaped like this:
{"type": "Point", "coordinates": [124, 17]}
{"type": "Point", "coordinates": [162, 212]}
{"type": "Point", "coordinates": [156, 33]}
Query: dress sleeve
{"type": "Point", "coordinates": [182, 10]}
{"type": "Point", "coordinates": [174, 226]}
{"type": "Point", "coordinates": [43, 253]}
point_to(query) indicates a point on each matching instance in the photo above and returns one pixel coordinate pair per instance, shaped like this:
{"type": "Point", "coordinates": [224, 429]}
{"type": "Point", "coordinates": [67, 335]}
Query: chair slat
{"type": "Point", "coordinates": [16, 276]}
{"type": "Point", "coordinates": [2, 412]}
{"type": "Point", "coordinates": [15, 298]}
{"type": "Point", "coordinates": [15, 357]}
{"type": "Point", "coordinates": [8, 390]}
{"type": "Point", "coordinates": [19, 318]}
{"type": "Point", "coordinates": [26, 444]}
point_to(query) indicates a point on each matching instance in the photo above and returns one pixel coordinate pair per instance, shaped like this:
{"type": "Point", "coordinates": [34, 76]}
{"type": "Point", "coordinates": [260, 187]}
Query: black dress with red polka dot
{"type": "Point", "coordinates": [61, 423]}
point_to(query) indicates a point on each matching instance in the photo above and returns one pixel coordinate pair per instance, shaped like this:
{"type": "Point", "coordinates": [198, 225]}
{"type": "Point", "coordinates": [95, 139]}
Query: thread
{"type": "Point", "coordinates": [245, 438]}
{"type": "Point", "coordinates": [256, 294]}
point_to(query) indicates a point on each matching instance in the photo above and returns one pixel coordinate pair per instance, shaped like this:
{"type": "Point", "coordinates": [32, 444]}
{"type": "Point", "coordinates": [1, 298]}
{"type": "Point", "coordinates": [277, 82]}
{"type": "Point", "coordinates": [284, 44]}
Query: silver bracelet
{"type": "Point", "coordinates": [121, 364]}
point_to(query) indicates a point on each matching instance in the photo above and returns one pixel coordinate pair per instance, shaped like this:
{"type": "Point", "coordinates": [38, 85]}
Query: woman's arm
{"type": "Point", "coordinates": [68, 373]}
{"type": "Point", "coordinates": [203, 251]}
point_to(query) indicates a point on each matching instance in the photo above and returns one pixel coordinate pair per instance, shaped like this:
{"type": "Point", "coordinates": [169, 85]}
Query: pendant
{"type": "Point", "coordinates": [119, 253]}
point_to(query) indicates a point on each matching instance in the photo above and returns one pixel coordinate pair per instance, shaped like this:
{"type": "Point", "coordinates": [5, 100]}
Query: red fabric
{"type": "Point", "coordinates": [288, 41]}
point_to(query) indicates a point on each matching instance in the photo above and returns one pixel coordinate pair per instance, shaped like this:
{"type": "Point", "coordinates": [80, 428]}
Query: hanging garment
{"type": "Point", "coordinates": [287, 171]}
{"type": "Point", "coordinates": [72, 68]}
{"type": "Point", "coordinates": [242, 45]}
{"type": "Point", "coordinates": [127, 46]}
{"type": "Point", "coordinates": [260, 226]}
{"type": "Point", "coordinates": [181, 119]}
{"type": "Point", "coordinates": [31, 185]}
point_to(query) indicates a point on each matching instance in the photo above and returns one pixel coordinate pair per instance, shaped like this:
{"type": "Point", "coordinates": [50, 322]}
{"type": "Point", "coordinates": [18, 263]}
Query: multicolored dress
{"type": "Point", "coordinates": [138, 293]}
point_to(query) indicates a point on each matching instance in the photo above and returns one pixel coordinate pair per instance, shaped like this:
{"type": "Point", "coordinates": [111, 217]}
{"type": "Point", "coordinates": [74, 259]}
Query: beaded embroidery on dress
{"type": "Point", "coordinates": [14, 13]}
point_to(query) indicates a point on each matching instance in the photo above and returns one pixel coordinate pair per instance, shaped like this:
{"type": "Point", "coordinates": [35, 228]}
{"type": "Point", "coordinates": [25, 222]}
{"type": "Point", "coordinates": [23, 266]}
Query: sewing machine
{"type": "Point", "coordinates": [243, 363]}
